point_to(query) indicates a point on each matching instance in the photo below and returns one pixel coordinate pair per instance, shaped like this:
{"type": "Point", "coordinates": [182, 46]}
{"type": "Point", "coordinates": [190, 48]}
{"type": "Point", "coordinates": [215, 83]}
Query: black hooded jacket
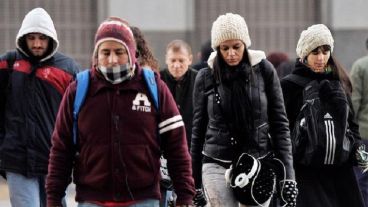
{"type": "Point", "coordinates": [31, 90]}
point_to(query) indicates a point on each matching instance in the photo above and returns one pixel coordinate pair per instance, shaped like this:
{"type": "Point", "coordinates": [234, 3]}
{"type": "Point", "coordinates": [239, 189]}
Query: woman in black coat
{"type": "Point", "coordinates": [238, 106]}
{"type": "Point", "coordinates": [325, 185]}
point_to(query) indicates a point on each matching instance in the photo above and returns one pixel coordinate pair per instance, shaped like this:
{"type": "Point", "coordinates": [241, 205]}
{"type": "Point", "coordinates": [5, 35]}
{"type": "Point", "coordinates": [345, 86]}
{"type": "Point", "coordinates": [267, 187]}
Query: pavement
{"type": "Point", "coordinates": [4, 195]}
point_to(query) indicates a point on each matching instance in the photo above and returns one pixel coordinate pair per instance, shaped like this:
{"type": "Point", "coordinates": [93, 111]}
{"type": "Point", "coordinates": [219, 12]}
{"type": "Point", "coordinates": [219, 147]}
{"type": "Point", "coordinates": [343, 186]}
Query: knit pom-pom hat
{"type": "Point", "coordinates": [229, 27]}
{"type": "Point", "coordinates": [315, 36]}
{"type": "Point", "coordinates": [118, 30]}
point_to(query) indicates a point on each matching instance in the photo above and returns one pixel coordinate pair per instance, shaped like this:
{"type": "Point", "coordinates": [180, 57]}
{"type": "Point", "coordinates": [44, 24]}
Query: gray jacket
{"type": "Point", "coordinates": [359, 79]}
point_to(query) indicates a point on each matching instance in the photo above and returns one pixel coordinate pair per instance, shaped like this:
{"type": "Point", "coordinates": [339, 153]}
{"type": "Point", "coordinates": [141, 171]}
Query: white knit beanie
{"type": "Point", "coordinates": [315, 36]}
{"type": "Point", "coordinates": [229, 27]}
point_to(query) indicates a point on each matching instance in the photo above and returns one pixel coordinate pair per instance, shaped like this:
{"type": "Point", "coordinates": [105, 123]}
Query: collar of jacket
{"type": "Point", "coordinates": [303, 70]}
{"type": "Point", "coordinates": [255, 57]}
{"type": "Point", "coordinates": [173, 80]}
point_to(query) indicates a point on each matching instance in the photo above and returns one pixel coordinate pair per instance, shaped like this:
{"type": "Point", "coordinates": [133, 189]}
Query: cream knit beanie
{"type": "Point", "coordinates": [229, 27]}
{"type": "Point", "coordinates": [315, 36]}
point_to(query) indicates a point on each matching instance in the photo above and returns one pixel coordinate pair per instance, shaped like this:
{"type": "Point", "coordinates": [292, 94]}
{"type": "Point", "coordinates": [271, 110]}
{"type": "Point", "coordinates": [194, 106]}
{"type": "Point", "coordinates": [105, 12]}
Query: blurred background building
{"type": "Point", "coordinates": [274, 25]}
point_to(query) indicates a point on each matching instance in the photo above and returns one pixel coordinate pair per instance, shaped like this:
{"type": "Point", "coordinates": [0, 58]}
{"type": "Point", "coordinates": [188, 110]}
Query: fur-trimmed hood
{"type": "Point", "coordinates": [255, 57]}
{"type": "Point", "coordinates": [37, 21]}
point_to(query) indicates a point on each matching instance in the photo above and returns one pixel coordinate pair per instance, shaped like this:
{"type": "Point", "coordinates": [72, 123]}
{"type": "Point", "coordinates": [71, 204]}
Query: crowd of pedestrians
{"type": "Point", "coordinates": [237, 128]}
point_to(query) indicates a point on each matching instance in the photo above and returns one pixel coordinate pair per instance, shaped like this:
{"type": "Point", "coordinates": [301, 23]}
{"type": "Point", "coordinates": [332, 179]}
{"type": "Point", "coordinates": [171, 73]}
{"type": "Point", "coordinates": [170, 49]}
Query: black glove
{"type": "Point", "coordinates": [288, 193]}
{"type": "Point", "coordinates": [325, 89]}
{"type": "Point", "coordinates": [362, 158]}
{"type": "Point", "coordinates": [199, 199]}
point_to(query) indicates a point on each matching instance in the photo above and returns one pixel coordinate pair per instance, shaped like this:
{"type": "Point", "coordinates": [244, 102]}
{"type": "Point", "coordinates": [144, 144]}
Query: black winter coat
{"type": "Point", "coordinates": [210, 132]}
{"type": "Point", "coordinates": [182, 92]}
{"type": "Point", "coordinates": [31, 92]}
{"type": "Point", "coordinates": [328, 186]}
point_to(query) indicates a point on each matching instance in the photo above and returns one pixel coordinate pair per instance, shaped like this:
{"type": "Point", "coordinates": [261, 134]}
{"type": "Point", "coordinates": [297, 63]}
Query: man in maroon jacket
{"type": "Point", "coordinates": [118, 149]}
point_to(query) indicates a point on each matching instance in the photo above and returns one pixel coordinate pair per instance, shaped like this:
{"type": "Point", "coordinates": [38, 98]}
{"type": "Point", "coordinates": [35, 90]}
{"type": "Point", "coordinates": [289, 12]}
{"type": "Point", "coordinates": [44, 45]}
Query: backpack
{"type": "Point", "coordinates": [82, 80]}
{"type": "Point", "coordinates": [321, 134]}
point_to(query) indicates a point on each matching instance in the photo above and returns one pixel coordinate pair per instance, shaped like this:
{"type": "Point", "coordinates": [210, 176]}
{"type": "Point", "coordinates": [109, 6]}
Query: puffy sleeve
{"type": "Point", "coordinates": [279, 124]}
{"type": "Point", "coordinates": [62, 151]}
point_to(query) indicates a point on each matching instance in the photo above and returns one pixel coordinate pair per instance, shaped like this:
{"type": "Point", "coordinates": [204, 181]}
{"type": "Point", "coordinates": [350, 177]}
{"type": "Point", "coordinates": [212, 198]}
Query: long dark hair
{"type": "Point", "coordinates": [341, 73]}
{"type": "Point", "coordinates": [144, 53]}
{"type": "Point", "coordinates": [240, 106]}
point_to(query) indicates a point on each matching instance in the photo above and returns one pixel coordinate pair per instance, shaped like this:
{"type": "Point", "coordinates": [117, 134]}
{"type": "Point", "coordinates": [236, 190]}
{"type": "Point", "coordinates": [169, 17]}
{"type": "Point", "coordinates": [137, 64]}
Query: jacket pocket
{"type": "Point", "coordinates": [262, 134]}
{"type": "Point", "coordinates": [217, 135]}
{"type": "Point", "coordinates": [91, 167]}
{"type": "Point", "coordinates": [140, 166]}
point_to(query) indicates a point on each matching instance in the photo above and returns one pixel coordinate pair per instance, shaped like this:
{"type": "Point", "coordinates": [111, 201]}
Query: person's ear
{"type": "Point", "coordinates": [190, 59]}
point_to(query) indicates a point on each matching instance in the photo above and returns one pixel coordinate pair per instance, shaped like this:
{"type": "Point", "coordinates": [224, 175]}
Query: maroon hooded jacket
{"type": "Point", "coordinates": [118, 147]}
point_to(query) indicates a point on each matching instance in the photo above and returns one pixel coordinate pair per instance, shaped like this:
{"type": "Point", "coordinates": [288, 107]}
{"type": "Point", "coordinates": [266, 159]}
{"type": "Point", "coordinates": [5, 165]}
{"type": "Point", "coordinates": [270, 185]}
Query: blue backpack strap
{"type": "Point", "coordinates": [149, 77]}
{"type": "Point", "coordinates": [80, 96]}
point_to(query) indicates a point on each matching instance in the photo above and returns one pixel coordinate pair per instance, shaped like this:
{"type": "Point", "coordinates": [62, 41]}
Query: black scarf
{"type": "Point", "coordinates": [241, 118]}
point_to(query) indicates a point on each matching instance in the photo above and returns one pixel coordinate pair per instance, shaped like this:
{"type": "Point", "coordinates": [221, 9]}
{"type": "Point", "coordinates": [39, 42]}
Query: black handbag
{"type": "Point", "coordinates": [254, 180]}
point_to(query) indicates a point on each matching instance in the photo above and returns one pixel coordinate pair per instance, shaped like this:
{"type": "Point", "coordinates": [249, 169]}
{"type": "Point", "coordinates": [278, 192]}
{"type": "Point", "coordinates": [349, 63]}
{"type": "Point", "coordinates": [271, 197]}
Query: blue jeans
{"type": "Point", "coordinates": [26, 192]}
{"type": "Point", "coordinates": [166, 197]}
{"type": "Point", "coordinates": [218, 193]}
{"type": "Point", "coordinates": [145, 203]}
